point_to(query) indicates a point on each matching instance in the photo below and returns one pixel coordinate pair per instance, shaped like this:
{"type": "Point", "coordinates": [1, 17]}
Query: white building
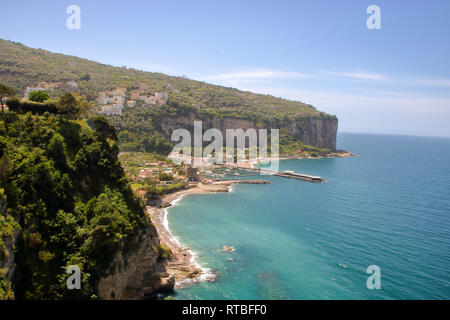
{"type": "Point", "coordinates": [161, 97]}
{"type": "Point", "coordinates": [113, 110]}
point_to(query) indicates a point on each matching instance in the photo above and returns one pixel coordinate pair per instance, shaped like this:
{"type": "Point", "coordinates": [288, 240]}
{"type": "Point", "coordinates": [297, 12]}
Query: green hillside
{"type": "Point", "coordinates": [21, 66]}
{"type": "Point", "coordinates": [139, 127]}
{"type": "Point", "coordinates": [65, 201]}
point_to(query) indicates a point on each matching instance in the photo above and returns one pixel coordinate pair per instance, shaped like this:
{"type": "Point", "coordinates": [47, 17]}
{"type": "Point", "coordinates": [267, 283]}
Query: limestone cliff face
{"type": "Point", "coordinates": [316, 132]}
{"type": "Point", "coordinates": [137, 272]}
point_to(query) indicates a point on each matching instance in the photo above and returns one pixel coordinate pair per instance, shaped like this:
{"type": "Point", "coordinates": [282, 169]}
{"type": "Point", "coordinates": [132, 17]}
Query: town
{"type": "Point", "coordinates": [109, 103]}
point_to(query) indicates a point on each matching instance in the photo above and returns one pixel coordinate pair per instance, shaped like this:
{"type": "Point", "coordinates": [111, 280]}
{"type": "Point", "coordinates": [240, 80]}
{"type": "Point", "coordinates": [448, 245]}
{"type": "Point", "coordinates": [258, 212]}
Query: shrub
{"type": "Point", "coordinates": [18, 106]}
{"type": "Point", "coordinates": [165, 251]}
{"type": "Point", "coordinates": [38, 96]}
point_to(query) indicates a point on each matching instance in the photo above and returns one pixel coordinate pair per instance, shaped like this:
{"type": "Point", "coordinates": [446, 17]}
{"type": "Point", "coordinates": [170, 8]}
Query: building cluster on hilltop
{"type": "Point", "coordinates": [160, 98]}
{"type": "Point", "coordinates": [113, 102]}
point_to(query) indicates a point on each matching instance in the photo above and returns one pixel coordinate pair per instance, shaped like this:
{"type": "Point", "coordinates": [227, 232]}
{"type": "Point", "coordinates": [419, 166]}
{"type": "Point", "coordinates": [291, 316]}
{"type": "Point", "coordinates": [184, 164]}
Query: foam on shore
{"type": "Point", "coordinates": [207, 274]}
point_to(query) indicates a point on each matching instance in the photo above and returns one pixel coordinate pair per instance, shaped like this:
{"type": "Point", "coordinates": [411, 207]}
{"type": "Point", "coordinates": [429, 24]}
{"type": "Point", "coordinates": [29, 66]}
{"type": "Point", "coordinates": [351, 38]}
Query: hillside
{"type": "Point", "coordinates": [65, 200]}
{"type": "Point", "coordinates": [142, 123]}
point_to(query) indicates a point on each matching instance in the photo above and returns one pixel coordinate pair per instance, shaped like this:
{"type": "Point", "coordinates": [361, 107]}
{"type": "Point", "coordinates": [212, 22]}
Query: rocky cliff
{"type": "Point", "coordinates": [318, 132]}
{"type": "Point", "coordinates": [315, 132]}
{"type": "Point", "coordinates": [137, 271]}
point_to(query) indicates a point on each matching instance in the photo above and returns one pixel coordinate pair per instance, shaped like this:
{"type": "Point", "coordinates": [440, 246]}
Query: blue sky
{"type": "Point", "coordinates": [394, 80]}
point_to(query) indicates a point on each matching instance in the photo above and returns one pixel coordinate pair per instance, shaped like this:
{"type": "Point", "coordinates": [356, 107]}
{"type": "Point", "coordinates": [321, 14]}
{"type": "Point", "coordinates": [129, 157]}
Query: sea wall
{"type": "Point", "coordinates": [320, 132]}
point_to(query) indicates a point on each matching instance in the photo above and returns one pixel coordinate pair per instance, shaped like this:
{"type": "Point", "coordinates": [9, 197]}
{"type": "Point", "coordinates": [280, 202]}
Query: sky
{"type": "Point", "coordinates": [393, 80]}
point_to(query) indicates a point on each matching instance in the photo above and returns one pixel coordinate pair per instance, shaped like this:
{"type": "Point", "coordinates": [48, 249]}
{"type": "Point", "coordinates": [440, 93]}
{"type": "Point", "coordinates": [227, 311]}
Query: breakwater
{"type": "Point", "coordinates": [286, 174]}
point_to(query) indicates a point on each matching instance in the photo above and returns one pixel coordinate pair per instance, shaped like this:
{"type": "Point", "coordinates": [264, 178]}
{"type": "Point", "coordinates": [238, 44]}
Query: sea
{"type": "Point", "coordinates": [387, 207]}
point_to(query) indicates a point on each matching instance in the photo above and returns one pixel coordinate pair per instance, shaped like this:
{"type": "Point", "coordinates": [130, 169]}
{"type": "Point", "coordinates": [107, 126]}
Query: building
{"type": "Point", "coordinates": [161, 98]}
{"type": "Point", "coordinates": [131, 103]}
{"type": "Point", "coordinates": [167, 170]}
{"type": "Point", "coordinates": [192, 174]}
{"type": "Point", "coordinates": [116, 96]}
{"type": "Point", "coordinates": [152, 164]}
{"type": "Point", "coordinates": [114, 110]}
{"type": "Point", "coordinates": [150, 100]}
{"type": "Point", "coordinates": [104, 98]}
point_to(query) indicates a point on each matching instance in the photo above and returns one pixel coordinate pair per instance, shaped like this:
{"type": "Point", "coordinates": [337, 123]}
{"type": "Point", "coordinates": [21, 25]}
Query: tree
{"type": "Point", "coordinates": [152, 192]}
{"type": "Point", "coordinates": [165, 177]}
{"type": "Point", "coordinates": [5, 167]}
{"type": "Point", "coordinates": [5, 91]}
{"type": "Point", "coordinates": [67, 104]}
{"type": "Point", "coordinates": [83, 104]}
{"type": "Point", "coordinates": [38, 96]}
{"type": "Point", "coordinates": [104, 129]}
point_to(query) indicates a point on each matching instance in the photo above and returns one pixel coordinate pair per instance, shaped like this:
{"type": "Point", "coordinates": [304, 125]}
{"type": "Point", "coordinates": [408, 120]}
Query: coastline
{"type": "Point", "coordinates": [183, 264]}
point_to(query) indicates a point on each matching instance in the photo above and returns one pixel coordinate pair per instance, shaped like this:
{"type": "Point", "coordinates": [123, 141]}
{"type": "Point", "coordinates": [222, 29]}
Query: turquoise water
{"type": "Point", "coordinates": [390, 207]}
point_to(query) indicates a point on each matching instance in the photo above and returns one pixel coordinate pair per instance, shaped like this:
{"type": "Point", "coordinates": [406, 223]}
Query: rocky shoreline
{"type": "Point", "coordinates": [182, 262]}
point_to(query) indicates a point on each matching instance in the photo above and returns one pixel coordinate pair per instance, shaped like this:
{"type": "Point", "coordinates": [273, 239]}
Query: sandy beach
{"type": "Point", "coordinates": [183, 264]}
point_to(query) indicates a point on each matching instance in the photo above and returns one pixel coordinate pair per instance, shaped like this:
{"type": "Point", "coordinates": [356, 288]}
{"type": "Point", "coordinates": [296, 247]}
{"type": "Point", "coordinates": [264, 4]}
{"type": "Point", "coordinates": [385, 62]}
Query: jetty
{"type": "Point", "coordinates": [242, 181]}
{"type": "Point", "coordinates": [285, 174]}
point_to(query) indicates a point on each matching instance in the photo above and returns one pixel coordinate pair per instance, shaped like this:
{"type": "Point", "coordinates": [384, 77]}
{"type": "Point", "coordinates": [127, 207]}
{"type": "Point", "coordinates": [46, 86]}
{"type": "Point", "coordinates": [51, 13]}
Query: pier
{"type": "Point", "coordinates": [242, 181]}
{"type": "Point", "coordinates": [285, 174]}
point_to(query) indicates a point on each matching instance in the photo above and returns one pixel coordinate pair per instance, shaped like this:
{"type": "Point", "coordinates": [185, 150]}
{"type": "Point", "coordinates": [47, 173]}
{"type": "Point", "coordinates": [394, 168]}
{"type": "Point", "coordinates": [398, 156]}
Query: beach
{"type": "Point", "coordinates": [183, 264]}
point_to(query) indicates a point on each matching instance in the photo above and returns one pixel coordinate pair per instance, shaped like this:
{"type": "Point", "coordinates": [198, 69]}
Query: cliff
{"type": "Point", "coordinates": [320, 132]}
{"type": "Point", "coordinates": [137, 272]}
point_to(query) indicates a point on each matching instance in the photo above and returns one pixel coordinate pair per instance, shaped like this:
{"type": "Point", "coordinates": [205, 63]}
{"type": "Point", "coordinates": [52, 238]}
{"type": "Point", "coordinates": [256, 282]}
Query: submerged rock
{"type": "Point", "coordinates": [228, 249]}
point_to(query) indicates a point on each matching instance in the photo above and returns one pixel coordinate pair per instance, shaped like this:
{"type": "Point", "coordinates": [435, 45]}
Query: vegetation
{"type": "Point", "coordinates": [166, 253]}
{"type": "Point", "coordinates": [63, 187]}
{"type": "Point", "coordinates": [21, 66]}
{"type": "Point", "coordinates": [38, 96]}
{"type": "Point", "coordinates": [70, 105]}
{"type": "Point", "coordinates": [5, 91]}
{"type": "Point", "coordinates": [139, 128]}
{"type": "Point", "coordinates": [18, 106]}
{"type": "Point", "coordinates": [133, 162]}
{"type": "Point", "coordinates": [64, 196]}
{"type": "Point", "coordinates": [8, 226]}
